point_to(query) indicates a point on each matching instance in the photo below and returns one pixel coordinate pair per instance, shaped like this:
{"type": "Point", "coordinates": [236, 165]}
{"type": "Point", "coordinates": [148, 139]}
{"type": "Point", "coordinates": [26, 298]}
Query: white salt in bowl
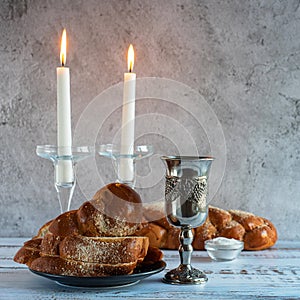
{"type": "Point", "coordinates": [223, 249]}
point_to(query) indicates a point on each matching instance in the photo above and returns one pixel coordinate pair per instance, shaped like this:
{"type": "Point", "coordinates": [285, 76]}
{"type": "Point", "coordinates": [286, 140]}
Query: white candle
{"type": "Point", "coordinates": [126, 171]}
{"type": "Point", "coordinates": [64, 171]}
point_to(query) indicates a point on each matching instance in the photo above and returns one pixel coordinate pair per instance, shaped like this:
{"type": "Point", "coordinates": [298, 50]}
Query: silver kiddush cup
{"type": "Point", "coordinates": [186, 208]}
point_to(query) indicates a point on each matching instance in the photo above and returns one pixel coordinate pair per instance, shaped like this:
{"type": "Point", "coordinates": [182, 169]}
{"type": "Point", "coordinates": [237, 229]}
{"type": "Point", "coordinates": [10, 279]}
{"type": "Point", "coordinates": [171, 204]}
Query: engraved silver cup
{"type": "Point", "coordinates": [186, 207]}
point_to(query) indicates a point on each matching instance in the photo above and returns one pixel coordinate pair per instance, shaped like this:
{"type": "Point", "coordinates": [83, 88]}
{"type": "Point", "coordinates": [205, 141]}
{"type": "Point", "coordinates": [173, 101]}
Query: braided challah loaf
{"type": "Point", "coordinates": [257, 233]}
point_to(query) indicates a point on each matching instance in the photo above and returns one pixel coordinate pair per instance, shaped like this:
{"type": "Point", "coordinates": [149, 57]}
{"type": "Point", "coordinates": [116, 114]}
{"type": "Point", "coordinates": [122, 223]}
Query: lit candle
{"type": "Point", "coordinates": [126, 172]}
{"type": "Point", "coordinates": [64, 172]}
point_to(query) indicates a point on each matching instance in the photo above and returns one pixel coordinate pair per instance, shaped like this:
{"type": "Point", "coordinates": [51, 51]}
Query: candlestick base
{"type": "Point", "coordinates": [64, 169]}
{"type": "Point", "coordinates": [128, 160]}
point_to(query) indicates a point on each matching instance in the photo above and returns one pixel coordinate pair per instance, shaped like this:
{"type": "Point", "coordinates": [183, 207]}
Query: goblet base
{"type": "Point", "coordinates": [185, 274]}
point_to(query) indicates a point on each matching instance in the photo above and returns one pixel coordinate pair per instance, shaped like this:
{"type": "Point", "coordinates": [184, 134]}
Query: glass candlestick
{"type": "Point", "coordinates": [186, 208]}
{"type": "Point", "coordinates": [128, 160]}
{"type": "Point", "coordinates": [64, 169]}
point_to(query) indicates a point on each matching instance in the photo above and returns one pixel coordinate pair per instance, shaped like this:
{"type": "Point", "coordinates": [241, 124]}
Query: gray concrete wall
{"type": "Point", "coordinates": [243, 57]}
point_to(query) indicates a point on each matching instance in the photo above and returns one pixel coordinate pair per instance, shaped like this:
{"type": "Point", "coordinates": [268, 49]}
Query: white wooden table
{"type": "Point", "coordinates": [269, 274]}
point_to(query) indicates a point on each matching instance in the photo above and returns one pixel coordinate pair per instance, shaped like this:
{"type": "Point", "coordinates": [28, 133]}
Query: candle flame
{"type": "Point", "coordinates": [63, 48]}
{"type": "Point", "coordinates": [130, 58]}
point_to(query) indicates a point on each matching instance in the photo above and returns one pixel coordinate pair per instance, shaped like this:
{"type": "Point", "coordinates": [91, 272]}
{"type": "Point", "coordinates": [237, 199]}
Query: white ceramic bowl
{"type": "Point", "coordinates": [222, 250]}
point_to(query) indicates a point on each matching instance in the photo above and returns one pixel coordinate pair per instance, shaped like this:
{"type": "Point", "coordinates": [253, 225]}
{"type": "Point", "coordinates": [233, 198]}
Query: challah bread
{"type": "Point", "coordinates": [105, 250]}
{"type": "Point", "coordinates": [88, 241]}
{"type": "Point", "coordinates": [69, 267]}
{"type": "Point", "coordinates": [29, 252]}
{"type": "Point", "coordinates": [256, 232]}
{"type": "Point", "coordinates": [65, 224]}
{"type": "Point", "coordinates": [259, 231]}
{"type": "Point", "coordinates": [205, 232]}
{"type": "Point", "coordinates": [115, 210]}
{"type": "Point", "coordinates": [60, 266]}
{"type": "Point", "coordinates": [77, 255]}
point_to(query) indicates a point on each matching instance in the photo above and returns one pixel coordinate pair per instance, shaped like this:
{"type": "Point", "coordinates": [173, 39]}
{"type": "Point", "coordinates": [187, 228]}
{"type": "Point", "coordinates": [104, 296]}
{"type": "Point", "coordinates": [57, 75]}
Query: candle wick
{"type": "Point", "coordinates": [63, 60]}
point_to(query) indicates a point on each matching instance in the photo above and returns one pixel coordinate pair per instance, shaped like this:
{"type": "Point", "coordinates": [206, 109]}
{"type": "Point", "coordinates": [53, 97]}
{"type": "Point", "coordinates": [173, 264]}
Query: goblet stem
{"type": "Point", "coordinates": [186, 248]}
{"type": "Point", "coordinates": [185, 273]}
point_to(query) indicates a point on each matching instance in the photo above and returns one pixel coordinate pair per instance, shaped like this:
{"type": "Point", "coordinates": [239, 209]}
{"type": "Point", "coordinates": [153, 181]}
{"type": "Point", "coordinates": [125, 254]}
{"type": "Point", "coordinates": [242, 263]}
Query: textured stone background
{"type": "Point", "coordinates": [242, 56]}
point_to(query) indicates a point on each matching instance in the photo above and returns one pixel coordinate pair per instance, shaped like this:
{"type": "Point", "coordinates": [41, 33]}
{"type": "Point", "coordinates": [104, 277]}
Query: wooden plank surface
{"type": "Point", "coordinates": [269, 274]}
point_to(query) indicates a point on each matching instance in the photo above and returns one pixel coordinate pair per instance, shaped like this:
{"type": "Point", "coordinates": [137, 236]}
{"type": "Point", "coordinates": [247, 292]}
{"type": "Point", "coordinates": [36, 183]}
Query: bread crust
{"type": "Point", "coordinates": [115, 210]}
{"type": "Point", "coordinates": [29, 252]}
{"type": "Point", "coordinates": [60, 266]}
{"type": "Point", "coordinates": [50, 244]}
{"type": "Point", "coordinates": [77, 255]}
{"type": "Point", "coordinates": [65, 224]}
{"type": "Point", "coordinates": [156, 234]}
{"type": "Point", "coordinates": [257, 233]}
{"type": "Point", "coordinates": [206, 232]}
{"type": "Point", "coordinates": [104, 250]}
